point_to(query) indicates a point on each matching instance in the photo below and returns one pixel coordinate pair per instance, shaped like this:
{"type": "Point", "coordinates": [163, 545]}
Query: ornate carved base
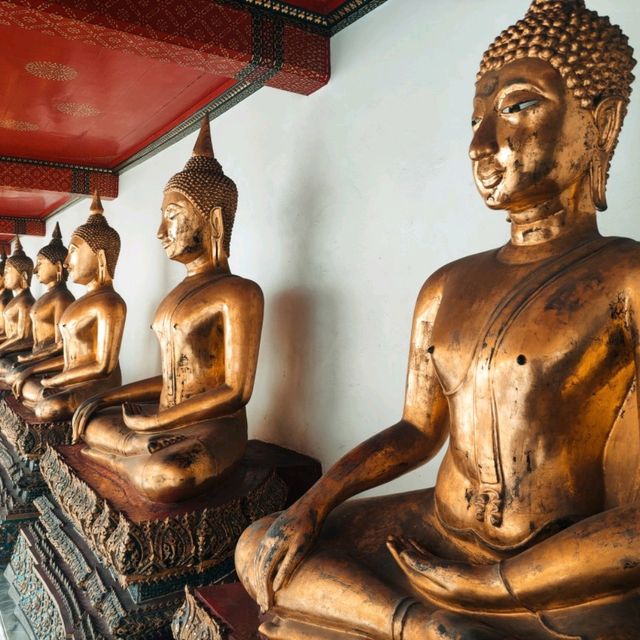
{"type": "Point", "coordinates": [20, 484]}
{"type": "Point", "coordinates": [29, 434]}
{"type": "Point", "coordinates": [115, 565]}
{"type": "Point", "coordinates": [227, 612]}
{"type": "Point", "coordinates": [221, 612]}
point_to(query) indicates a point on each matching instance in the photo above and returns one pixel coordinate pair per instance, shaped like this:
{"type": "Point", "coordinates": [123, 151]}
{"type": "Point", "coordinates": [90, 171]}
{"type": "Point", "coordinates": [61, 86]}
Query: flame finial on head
{"type": "Point", "coordinates": [19, 259]}
{"type": "Point", "coordinates": [55, 251]}
{"type": "Point", "coordinates": [204, 146]}
{"type": "Point", "coordinates": [96, 204]}
{"type": "Point", "coordinates": [17, 247]}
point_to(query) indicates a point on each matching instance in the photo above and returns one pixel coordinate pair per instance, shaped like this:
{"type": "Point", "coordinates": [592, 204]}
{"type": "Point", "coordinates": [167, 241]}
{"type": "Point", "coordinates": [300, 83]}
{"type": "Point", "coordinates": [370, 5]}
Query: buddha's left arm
{"type": "Point", "coordinates": [243, 314]}
{"type": "Point", "coordinates": [589, 560]}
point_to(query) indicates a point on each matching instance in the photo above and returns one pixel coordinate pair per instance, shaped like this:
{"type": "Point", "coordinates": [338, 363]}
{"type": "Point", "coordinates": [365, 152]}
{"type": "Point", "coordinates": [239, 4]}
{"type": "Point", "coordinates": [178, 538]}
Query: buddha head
{"type": "Point", "coordinates": [18, 268]}
{"type": "Point", "coordinates": [199, 206]}
{"type": "Point", "coordinates": [50, 267]}
{"type": "Point", "coordinates": [94, 249]}
{"type": "Point", "coordinates": [551, 96]}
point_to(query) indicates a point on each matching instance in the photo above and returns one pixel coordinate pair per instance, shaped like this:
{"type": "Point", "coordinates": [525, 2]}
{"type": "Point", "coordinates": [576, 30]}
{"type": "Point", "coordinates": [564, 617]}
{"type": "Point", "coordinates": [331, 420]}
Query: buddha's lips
{"type": "Point", "coordinates": [491, 178]}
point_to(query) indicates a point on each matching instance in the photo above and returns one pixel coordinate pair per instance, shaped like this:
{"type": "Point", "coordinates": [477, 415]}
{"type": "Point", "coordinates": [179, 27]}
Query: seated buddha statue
{"type": "Point", "coordinates": [91, 328]}
{"type": "Point", "coordinates": [47, 309]}
{"type": "Point", "coordinates": [18, 271]}
{"type": "Point", "coordinates": [5, 293]}
{"type": "Point", "coordinates": [526, 358]}
{"type": "Point", "coordinates": [174, 435]}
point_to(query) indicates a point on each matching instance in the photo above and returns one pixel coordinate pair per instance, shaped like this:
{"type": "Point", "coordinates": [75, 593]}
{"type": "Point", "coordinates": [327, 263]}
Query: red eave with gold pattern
{"type": "Point", "coordinates": [91, 87]}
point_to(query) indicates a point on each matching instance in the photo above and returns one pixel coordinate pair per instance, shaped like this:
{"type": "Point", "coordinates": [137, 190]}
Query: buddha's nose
{"type": "Point", "coordinates": [484, 141]}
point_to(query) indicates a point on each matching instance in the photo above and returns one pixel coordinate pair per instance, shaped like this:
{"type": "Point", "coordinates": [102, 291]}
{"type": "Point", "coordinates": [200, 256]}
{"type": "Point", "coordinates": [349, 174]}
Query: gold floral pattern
{"type": "Point", "coordinates": [18, 125]}
{"type": "Point", "coordinates": [78, 109]}
{"type": "Point", "coordinates": [51, 71]}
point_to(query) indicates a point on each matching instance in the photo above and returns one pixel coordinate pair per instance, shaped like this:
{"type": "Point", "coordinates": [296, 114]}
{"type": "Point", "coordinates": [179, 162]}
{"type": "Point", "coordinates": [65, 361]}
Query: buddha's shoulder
{"type": "Point", "coordinates": [232, 286]}
{"type": "Point", "coordinates": [23, 301]}
{"type": "Point", "coordinates": [107, 299]}
{"type": "Point", "coordinates": [461, 266]}
{"type": "Point", "coordinates": [629, 245]}
{"type": "Point", "coordinates": [461, 269]}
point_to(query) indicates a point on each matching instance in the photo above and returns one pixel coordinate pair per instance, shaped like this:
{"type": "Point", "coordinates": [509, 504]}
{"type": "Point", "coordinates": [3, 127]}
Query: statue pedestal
{"type": "Point", "coordinates": [220, 612]}
{"type": "Point", "coordinates": [23, 438]}
{"type": "Point", "coordinates": [102, 561]}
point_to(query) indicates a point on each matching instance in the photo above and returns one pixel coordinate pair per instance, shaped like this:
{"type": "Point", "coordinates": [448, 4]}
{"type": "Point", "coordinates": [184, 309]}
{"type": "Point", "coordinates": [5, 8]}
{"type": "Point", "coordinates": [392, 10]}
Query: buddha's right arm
{"type": "Point", "coordinates": [416, 438]}
{"type": "Point", "coordinates": [147, 390]}
{"type": "Point", "coordinates": [380, 459]}
{"type": "Point", "coordinates": [50, 365]}
{"type": "Point", "coordinates": [411, 442]}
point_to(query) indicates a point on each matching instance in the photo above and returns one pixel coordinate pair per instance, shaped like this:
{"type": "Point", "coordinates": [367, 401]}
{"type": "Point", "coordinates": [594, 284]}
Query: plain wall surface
{"type": "Point", "coordinates": [349, 199]}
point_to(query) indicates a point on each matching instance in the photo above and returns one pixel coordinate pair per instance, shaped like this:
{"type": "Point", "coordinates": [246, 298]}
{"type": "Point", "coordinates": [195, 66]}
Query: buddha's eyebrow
{"type": "Point", "coordinates": [521, 85]}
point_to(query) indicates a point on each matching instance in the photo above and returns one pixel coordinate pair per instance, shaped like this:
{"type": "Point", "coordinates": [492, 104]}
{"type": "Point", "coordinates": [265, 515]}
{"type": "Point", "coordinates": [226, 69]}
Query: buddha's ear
{"type": "Point", "coordinates": [103, 271]}
{"type": "Point", "coordinates": [217, 223]}
{"type": "Point", "coordinates": [24, 276]}
{"type": "Point", "coordinates": [608, 117]}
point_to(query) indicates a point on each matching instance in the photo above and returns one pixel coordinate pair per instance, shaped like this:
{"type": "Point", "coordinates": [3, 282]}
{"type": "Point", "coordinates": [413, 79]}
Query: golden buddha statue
{"type": "Point", "coordinates": [191, 426]}
{"type": "Point", "coordinates": [5, 293]}
{"type": "Point", "coordinates": [91, 328]}
{"type": "Point", "coordinates": [527, 358]}
{"type": "Point", "coordinates": [47, 309]}
{"type": "Point", "coordinates": [18, 271]}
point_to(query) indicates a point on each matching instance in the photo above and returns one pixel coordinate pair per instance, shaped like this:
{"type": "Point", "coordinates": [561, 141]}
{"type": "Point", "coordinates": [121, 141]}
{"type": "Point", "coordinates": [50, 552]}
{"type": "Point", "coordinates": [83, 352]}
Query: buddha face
{"type": "Point", "coordinates": [12, 277]}
{"type": "Point", "coordinates": [182, 229]}
{"type": "Point", "coordinates": [532, 140]}
{"type": "Point", "coordinates": [81, 262]}
{"type": "Point", "coordinates": [46, 270]}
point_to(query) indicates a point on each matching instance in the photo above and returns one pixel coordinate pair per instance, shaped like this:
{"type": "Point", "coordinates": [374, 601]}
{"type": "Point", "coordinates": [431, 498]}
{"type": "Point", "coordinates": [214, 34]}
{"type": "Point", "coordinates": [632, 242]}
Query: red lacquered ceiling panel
{"type": "Point", "coordinates": [77, 103]}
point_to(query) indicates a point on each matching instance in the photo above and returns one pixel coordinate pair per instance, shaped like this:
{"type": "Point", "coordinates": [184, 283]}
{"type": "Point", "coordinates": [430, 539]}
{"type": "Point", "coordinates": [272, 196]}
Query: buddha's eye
{"type": "Point", "coordinates": [520, 106]}
{"type": "Point", "coordinates": [475, 122]}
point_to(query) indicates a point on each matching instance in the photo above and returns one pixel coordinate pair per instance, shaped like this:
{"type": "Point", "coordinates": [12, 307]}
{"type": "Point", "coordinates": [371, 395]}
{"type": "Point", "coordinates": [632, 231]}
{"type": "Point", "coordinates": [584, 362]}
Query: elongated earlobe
{"type": "Point", "coordinates": [103, 272]}
{"type": "Point", "coordinates": [217, 234]}
{"type": "Point", "coordinates": [608, 116]}
{"type": "Point", "coordinates": [598, 174]}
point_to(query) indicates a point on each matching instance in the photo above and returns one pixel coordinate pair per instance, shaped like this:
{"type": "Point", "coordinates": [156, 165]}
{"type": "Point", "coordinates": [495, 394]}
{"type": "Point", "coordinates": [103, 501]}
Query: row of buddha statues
{"type": "Point", "coordinates": [171, 435]}
{"type": "Point", "coordinates": [525, 358]}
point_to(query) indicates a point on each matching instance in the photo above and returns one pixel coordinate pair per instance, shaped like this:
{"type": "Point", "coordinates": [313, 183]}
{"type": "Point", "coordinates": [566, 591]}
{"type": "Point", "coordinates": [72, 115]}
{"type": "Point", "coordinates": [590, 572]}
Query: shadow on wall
{"type": "Point", "coordinates": [301, 322]}
{"type": "Point", "coordinates": [298, 395]}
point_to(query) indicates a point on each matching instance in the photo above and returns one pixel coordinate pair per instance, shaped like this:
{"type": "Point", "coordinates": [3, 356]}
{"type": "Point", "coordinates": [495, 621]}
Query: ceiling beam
{"type": "Point", "coordinates": [12, 226]}
{"type": "Point", "coordinates": [214, 36]}
{"type": "Point", "coordinates": [35, 175]}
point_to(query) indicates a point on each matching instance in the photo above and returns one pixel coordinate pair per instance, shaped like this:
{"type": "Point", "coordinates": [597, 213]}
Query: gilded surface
{"type": "Point", "coordinates": [5, 293]}
{"type": "Point", "coordinates": [91, 329]}
{"type": "Point", "coordinates": [526, 358]}
{"type": "Point", "coordinates": [152, 550]}
{"type": "Point", "coordinates": [18, 271]}
{"type": "Point", "coordinates": [174, 435]}
{"type": "Point", "coordinates": [45, 313]}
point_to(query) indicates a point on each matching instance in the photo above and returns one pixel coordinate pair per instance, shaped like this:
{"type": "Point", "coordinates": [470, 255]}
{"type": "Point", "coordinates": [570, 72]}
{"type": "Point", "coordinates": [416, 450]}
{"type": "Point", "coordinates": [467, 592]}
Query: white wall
{"type": "Point", "coordinates": [349, 199]}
